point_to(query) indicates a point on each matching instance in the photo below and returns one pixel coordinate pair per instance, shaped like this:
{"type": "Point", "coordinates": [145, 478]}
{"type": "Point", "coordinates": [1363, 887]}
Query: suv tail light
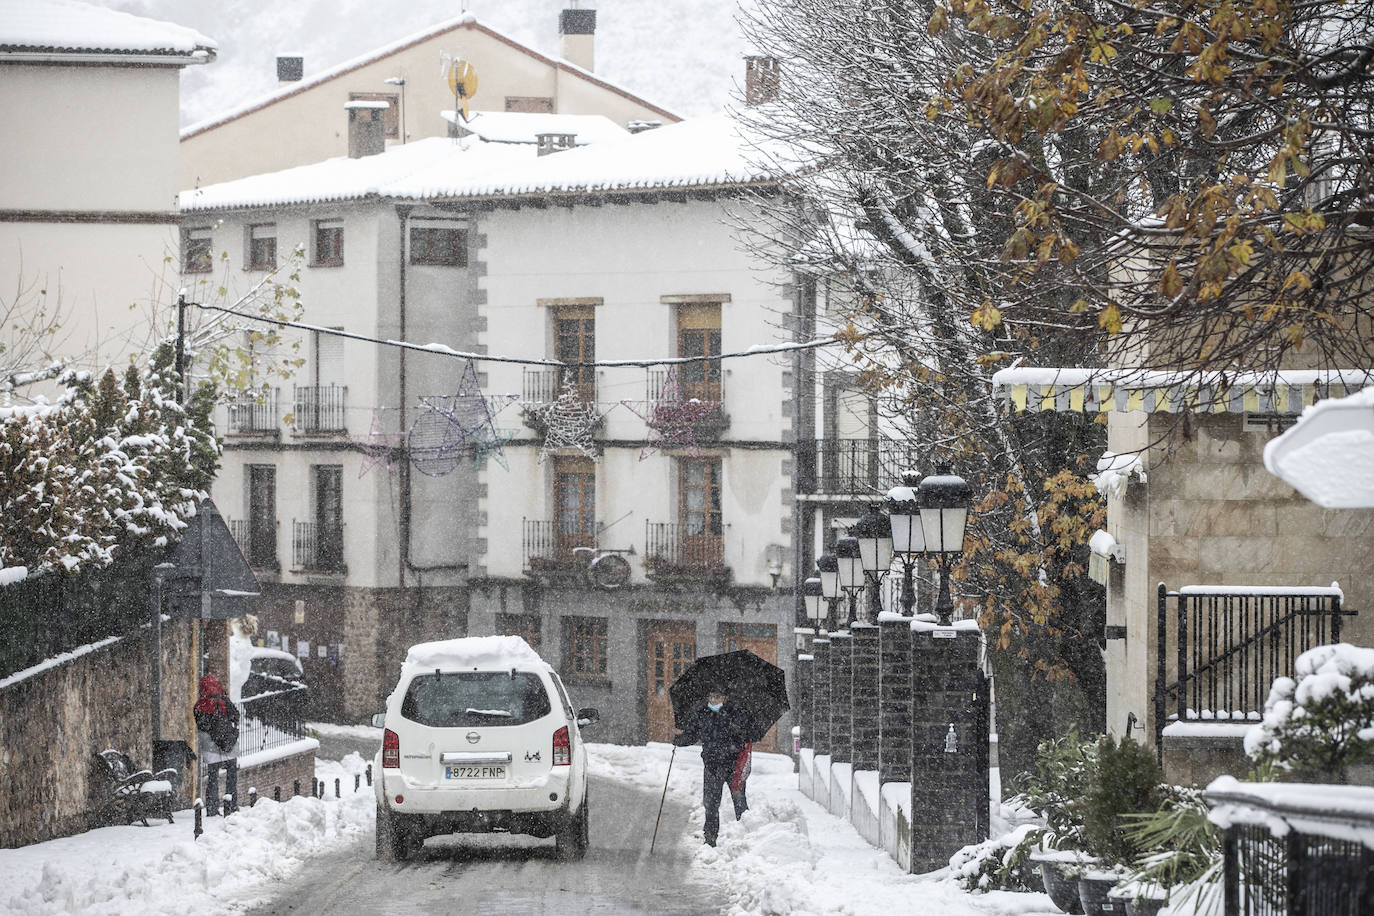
{"type": "Point", "coordinates": [562, 748]}
{"type": "Point", "coordinates": [391, 750]}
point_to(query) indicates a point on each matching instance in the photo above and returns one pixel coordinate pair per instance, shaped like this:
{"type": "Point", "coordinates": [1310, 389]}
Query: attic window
{"type": "Point", "coordinates": [438, 246]}
{"type": "Point", "coordinates": [262, 247]}
{"type": "Point", "coordinates": [195, 251]}
{"type": "Point", "coordinates": [328, 243]}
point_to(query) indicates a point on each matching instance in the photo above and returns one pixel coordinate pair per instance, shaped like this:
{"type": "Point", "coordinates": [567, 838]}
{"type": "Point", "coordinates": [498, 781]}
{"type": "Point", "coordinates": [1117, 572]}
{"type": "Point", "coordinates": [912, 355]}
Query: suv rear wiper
{"type": "Point", "coordinates": [493, 713]}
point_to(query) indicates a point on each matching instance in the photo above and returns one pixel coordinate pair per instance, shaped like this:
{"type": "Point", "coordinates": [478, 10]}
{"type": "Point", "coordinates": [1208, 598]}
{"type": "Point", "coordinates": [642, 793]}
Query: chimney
{"type": "Point", "coordinates": [366, 128]}
{"type": "Point", "coordinates": [290, 68]}
{"type": "Point", "coordinates": [554, 142]}
{"type": "Point", "coordinates": [761, 76]}
{"type": "Point", "coordinates": [578, 31]}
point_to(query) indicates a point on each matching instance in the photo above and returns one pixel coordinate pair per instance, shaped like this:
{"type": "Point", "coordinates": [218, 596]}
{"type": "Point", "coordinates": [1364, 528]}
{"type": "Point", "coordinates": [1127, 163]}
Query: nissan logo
{"type": "Point", "coordinates": [473, 737]}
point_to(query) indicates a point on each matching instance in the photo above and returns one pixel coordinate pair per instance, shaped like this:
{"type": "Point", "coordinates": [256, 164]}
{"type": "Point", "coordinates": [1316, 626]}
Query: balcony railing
{"type": "Point", "coordinates": [261, 553]}
{"type": "Point", "coordinates": [543, 386]}
{"type": "Point", "coordinates": [672, 549]}
{"type": "Point", "coordinates": [320, 408]}
{"type": "Point", "coordinates": [317, 547]}
{"type": "Point", "coordinates": [545, 545]}
{"type": "Point", "coordinates": [854, 467]}
{"type": "Point", "coordinates": [254, 414]}
{"type": "Point", "coordinates": [273, 719]}
{"type": "Point", "coordinates": [707, 390]}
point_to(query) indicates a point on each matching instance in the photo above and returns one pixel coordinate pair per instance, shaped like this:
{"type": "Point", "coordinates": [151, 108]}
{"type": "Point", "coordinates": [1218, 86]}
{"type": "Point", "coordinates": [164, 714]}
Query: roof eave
{"type": "Point", "coordinates": [98, 57]}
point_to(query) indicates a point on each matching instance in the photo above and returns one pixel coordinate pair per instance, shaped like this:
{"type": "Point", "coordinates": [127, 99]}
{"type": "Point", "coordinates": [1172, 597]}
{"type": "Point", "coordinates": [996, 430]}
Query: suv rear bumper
{"type": "Point", "coordinates": [542, 797]}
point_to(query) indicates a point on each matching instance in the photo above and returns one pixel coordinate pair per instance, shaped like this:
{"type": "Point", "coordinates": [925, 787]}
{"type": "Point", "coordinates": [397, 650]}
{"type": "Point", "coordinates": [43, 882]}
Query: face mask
{"type": "Point", "coordinates": [714, 707]}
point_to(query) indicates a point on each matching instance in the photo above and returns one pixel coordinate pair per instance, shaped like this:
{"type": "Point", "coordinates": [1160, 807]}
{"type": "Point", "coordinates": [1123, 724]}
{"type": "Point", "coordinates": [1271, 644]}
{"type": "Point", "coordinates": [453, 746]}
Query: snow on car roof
{"type": "Point", "coordinates": [263, 652]}
{"type": "Point", "coordinates": [67, 25]}
{"type": "Point", "coordinates": [472, 652]}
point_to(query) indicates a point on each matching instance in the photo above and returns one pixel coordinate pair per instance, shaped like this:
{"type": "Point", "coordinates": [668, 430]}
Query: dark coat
{"type": "Point", "coordinates": [722, 735]}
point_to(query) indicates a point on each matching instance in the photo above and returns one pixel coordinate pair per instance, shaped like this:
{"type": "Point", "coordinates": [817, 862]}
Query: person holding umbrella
{"type": "Point", "coordinates": [724, 733]}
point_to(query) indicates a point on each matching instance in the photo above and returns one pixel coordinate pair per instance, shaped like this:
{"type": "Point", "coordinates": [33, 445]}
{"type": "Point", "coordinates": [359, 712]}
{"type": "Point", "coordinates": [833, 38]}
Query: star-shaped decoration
{"type": "Point", "coordinates": [569, 422]}
{"type": "Point", "coordinates": [449, 425]}
{"type": "Point", "coordinates": [379, 448]}
{"type": "Point", "coordinates": [672, 419]}
{"type": "Point", "coordinates": [492, 444]}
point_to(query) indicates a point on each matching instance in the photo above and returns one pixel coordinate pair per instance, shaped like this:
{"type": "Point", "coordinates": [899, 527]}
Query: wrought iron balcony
{"type": "Point", "coordinates": [683, 550]}
{"type": "Point", "coordinates": [547, 546]}
{"type": "Point", "coordinates": [543, 386]}
{"type": "Point", "coordinates": [320, 409]}
{"type": "Point", "coordinates": [853, 467]}
{"type": "Point", "coordinates": [260, 552]}
{"type": "Point", "coordinates": [316, 547]}
{"type": "Point", "coordinates": [251, 415]}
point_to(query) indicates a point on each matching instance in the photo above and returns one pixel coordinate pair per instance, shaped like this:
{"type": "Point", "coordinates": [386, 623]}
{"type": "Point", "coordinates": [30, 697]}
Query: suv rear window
{"type": "Point", "coordinates": [468, 698]}
{"type": "Point", "coordinates": [275, 667]}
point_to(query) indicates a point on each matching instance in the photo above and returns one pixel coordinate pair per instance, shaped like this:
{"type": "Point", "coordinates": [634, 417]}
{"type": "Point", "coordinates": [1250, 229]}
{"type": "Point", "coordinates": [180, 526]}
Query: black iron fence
{"type": "Point", "coordinates": [857, 467]}
{"type": "Point", "coordinates": [254, 414]}
{"type": "Point", "coordinates": [693, 384]}
{"type": "Point", "coordinates": [545, 543]}
{"type": "Point", "coordinates": [543, 386]}
{"type": "Point", "coordinates": [1294, 850]}
{"type": "Point", "coordinates": [1229, 643]}
{"type": "Point", "coordinates": [49, 613]}
{"type": "Point", "coordinates": [272, 719]}
{"type": "Point", "coordinates": [682, 547]}
{"type": "Point", "coordinates": [316, 546]}
{"type": "Point", "coordinates": [320, 408]}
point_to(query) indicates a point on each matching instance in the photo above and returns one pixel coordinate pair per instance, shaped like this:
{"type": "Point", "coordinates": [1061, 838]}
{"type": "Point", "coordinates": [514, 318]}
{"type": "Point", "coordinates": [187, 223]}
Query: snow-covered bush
{"type": "Point", "coordinates": [1000, 863]}
{"type": "Point", "coordinates": [116, 463]}
{"type": "Point", "coordinates": [1055, 788]}
{"type": "Point", "coordinates": [1317, 725]}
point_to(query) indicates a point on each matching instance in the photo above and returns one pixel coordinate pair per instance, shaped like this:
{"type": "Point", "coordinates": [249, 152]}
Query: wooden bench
{"type": "Point", "coordinates": [122, 793]}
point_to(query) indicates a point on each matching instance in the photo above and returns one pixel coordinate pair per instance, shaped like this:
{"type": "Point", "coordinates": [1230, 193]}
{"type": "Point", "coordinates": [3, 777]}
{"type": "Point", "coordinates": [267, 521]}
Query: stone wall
{"type": "Point", "coordinates": [282, 774]}
{"type": "Point", "coordinates": [53, 722]}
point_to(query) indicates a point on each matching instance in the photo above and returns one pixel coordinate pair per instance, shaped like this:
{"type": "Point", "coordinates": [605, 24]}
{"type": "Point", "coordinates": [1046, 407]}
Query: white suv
{"type": "Point", "coordinates": [479, 737]}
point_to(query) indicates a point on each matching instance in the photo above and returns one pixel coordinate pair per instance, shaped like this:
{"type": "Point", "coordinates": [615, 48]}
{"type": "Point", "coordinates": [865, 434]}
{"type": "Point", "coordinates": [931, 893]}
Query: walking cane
{"type": "Point", "coordinates": [660, 801]}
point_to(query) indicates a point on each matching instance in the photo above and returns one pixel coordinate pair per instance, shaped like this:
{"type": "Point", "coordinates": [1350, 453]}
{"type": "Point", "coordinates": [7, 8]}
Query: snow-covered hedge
{"type": "Point", "coordinates": [1318, 724]}
{"type": "Point", "coordinates": [116, 462]}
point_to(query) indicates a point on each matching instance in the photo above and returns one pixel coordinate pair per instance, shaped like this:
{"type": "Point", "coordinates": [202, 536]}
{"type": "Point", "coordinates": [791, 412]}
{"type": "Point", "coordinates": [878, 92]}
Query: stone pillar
{"type": "Point", "coordinates": [949, 785]}
{"type": "Point", "coordinates": [864, 720]}
{"type": "Point", "coordinates": [894, 698]}
{"type": "Point", "coordinates": [841, 697]}
{"type": "Point", "coordinates": [805, 720]}
{"type": "Point", "coordinates": [820, 694]}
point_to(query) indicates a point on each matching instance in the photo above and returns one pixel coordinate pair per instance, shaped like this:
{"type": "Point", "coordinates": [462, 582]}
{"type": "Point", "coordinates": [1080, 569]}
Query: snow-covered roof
{"type": "Point", "coordinates": [525, 127]}
{"type": "Point", "coordinates": [702, 153]}
{"type": "Point", "coordinates": [1328, 455]}
{"type": "Point", "coordinates": [465, 20]}
{"type": "Point", "coordinates": [54, 28]}
{"type": "Point", "coordinates": [472, 653]}
{"type": "Point", "coordinates": [1079, 389]}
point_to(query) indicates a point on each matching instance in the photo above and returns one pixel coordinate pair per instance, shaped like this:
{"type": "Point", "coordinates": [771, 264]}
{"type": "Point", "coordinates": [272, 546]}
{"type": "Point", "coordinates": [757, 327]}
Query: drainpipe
{"type": "Point", "coordinates": [402, 213]}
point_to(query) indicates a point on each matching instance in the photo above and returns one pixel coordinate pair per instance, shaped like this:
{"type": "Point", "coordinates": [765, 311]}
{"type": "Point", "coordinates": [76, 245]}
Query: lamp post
{"type": "Point", "coordinates": [944, 503]}
{"type": "Point", "coordinates": [849, 558]}
{"type": "Point", "coordinates": [908, 537]}
{"type": "Point", "coordinates": [873, 531]}
{"type": "Point", "coordinates": [811, 596]}
{"type": "Point", "coordinates": [828, 569]}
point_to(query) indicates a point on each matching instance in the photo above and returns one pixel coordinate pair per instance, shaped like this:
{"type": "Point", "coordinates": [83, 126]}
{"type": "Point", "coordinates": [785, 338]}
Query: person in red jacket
{"type": "Point", "coordinates": [723, 732]}
{"type": "Point", "coordinates": [217, 734]}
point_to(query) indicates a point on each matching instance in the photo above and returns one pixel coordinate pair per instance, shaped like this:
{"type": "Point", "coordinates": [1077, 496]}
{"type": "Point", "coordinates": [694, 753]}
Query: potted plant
{"type": "Point", "coordinates": [1180, 849]}
{"type": "Point", "coordinates": [1123, 779]}
{"type": "Point", "coordinates": [1053, 791]}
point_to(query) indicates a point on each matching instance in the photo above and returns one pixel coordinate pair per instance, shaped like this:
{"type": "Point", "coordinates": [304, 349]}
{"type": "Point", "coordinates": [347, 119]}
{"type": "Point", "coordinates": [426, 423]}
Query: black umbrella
{"type": "Point", "coordinates": [754, 685]}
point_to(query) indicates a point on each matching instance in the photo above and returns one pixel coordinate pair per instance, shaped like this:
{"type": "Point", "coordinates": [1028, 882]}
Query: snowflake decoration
{"type": "Point", "coordinates": [568, 422]}
{"type": "Point", "coordinates": [672, 419]}
{"type": "Point", "coordinates": [379, 448]}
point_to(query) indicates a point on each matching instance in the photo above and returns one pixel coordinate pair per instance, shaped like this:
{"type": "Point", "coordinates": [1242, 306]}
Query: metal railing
{"type": "Point", "coordinates": [853, 466]}
{"type": "Point", "coordinates": [1293, 850]}
{"type": "Point", "coordinates": [272, 719]}
{"type": "Point", "coordinates": [254, 414]}
{"type": "Point", "coordinates": [544, 543]}
{"type": "Point", "coordinates": [260, 554]}
{"type": "Point", "coordinates": [319, 408]}
{"type": "Point", "coordinates": [1231, 642]}
{"type": "Point", "coordinates": [708, 390]}
{"type": "Point", "coordinates": [543, 386]}
{"type": "Point", "coordinates": [315, 546]}
{"type": "Point", "coordinates": [675, 547]}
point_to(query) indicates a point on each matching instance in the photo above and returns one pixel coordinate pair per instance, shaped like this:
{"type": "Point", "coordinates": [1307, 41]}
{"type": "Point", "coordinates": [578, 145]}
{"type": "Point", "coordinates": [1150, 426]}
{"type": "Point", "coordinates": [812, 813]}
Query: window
{"type": "Point", "coordinates": [533, 104]}
{"type": "Point", "coordinates": [575, 342]}
{"type": "Point", "coordinates": [262, 515]}
{"type": "Point", "coordinates": [439, 246]}
{"type": "Point", "coordinates": [574, 482]}
{"type": "Point", "coordinates": [195, 251]}
{"type": "Point", "coordinates": [470, 699]}
{"type": "Point", "coordinates": [328, 242]}
{"type": "Point", "coordinates": [586, 642]}
{"type": "Point", "coordinates": [526, 626]}
{"type": "Point", "coordinates": [698, 334]}
{"type": "Point", "coordinates": [262, 246]}
{"type": "Point", "coordinates": [393, 109]}
{"type": "Point", "coordinates": [327, 484]}
{"type": "Point", "coordinates": [699, 515]}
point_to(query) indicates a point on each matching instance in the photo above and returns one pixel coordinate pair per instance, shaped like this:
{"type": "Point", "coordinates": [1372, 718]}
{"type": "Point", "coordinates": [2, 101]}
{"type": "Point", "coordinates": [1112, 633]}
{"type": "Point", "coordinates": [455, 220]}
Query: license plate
{"type": "Point", "coordinates": [466, 772]}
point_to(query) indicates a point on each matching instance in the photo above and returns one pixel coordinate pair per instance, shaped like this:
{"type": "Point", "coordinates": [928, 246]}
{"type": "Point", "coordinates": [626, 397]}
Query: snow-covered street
{"type": "Point", "coordinates": [786, 855]}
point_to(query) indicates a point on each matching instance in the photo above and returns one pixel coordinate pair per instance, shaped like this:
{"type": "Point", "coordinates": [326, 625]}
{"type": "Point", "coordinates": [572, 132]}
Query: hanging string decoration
{"type": "Point", "coordinates": [672, 418]}
{"type": "Point", "coordinates": [379, 448]}
{"type": "Point", "coordinates": [448, 427]}
{"type": "Point", "coordinates": [568, 422]}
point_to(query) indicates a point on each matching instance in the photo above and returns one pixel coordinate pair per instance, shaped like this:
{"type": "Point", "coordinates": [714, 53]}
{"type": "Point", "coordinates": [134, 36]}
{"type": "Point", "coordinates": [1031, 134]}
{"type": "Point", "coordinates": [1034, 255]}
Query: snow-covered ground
{"type": "Point", "coordinates": [786, 856]}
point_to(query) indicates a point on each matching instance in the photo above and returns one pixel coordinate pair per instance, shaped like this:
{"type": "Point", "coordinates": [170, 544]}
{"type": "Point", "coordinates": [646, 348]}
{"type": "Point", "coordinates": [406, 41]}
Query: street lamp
{"type": "Point", "coordinates": [811, 596]}
{"type": "Point", "coordinates": [873, 531]}
{"type": "Point", "coordinates": [828, 568]}
{"type": "Point", "coordinates": [908, 537]}
{"type": "Point", "coordinates": [944, 502]}
{"type": "Point", "coordinates": [849, 558]}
